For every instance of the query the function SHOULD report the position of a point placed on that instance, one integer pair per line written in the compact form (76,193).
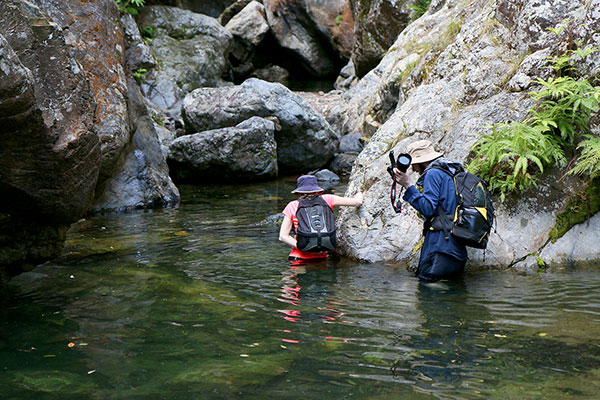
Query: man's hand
(402,178)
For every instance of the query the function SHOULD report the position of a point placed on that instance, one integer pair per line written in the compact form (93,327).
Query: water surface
(199,302)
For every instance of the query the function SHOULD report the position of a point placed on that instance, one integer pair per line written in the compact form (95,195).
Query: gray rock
(326,175)
(250,24)
(191,50)
(351,143)
(377,25)
(138,52)
(532,67)
(305,140)
(579,245)
(232,10)
(143,181)
(295,30)
(212,8)
(342,163)
(50,154)
(272,73)
(347,78)
(246,151)
(165,137)
(450,90)
(107,79)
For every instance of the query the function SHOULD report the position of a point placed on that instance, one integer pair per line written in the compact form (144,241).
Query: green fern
(589,159)
(512,154)
(130,6)
(567,105)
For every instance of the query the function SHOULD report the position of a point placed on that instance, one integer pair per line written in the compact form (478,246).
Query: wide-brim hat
(307,184)
(422,151)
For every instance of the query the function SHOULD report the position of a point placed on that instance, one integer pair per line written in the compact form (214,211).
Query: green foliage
(566,105)
(339,19)
(140,74)
(148,32)
(130,6)
(540,262)
(589,159)
(512,154)
(419,8)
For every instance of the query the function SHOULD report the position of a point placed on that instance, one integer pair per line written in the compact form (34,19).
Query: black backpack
(316,225)
(474,216)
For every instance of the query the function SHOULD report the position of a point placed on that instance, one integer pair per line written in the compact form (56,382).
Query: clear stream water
(199,302)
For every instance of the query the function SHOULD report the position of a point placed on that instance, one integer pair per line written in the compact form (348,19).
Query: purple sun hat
(307,184)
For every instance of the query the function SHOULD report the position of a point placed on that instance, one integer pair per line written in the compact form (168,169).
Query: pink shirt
(290,211)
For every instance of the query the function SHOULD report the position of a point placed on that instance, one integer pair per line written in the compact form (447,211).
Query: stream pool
(199,302)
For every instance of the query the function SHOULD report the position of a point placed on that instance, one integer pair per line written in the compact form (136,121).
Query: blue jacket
(438,188)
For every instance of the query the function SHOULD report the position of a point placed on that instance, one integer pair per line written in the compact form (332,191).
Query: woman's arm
(348,201)
(284,232)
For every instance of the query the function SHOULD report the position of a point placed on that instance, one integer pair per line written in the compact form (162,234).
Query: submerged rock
(305,140)
(244,152)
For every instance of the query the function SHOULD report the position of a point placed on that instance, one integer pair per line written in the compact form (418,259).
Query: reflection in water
(201,302)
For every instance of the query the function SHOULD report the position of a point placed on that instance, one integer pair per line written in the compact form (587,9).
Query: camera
(402,162)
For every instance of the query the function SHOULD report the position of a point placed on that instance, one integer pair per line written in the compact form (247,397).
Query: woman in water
(307,187)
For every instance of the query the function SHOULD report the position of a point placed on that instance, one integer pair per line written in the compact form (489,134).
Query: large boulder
(293,25)
(305,140)
(121,114)
(447,90)
(246,151)
(191,50)
(250,24)
(377,25)
(211,8)
(50,154)
(79,22)
(249,28)
(142,180)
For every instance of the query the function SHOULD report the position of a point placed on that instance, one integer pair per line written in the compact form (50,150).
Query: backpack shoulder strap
(453,176)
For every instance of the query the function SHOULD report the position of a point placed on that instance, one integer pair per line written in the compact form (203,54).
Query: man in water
(442,256)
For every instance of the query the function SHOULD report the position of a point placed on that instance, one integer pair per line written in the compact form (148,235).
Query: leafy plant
(140,74)
(589,159)
(130,6)
(419,8)
(148,32)
(512,154)
(566,104)
(339,19)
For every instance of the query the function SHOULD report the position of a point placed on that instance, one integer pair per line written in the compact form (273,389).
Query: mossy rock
(578,210)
